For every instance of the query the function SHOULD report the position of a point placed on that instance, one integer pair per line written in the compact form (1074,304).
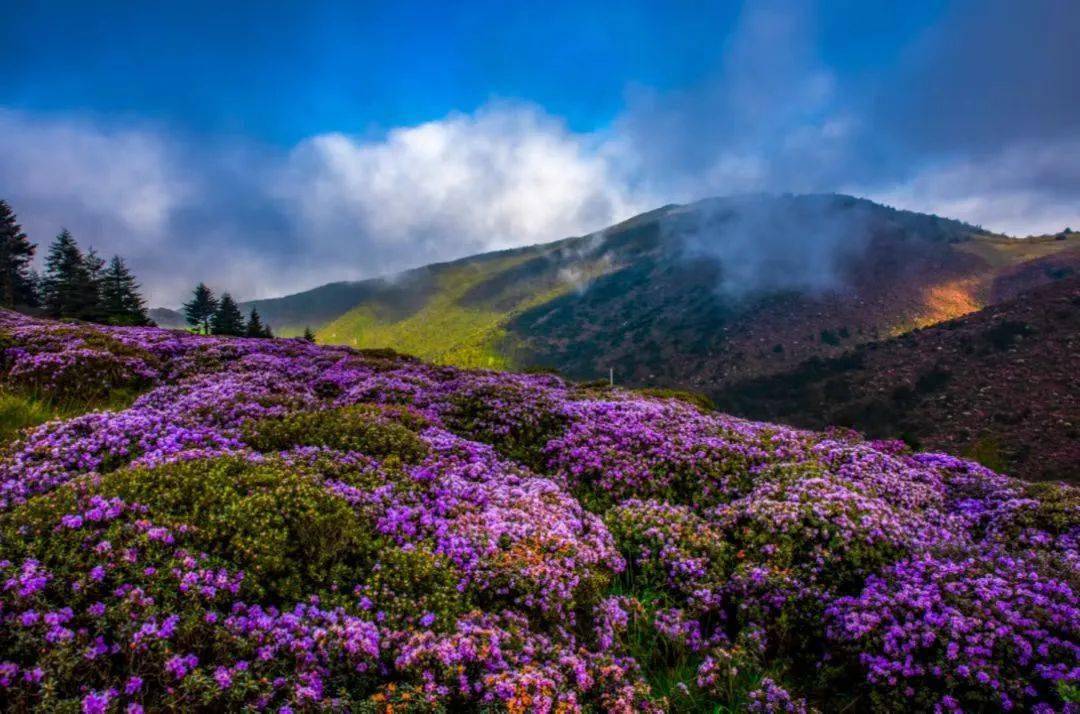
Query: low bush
(1052,508)
(77,364)
(823,531)
(701,401)
(614,450)
(288,533)
(372,430)
(415,587)
(668,548)
(979,631)
(107,609)
(517,420)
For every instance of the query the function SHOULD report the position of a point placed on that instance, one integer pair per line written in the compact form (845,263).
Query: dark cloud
(977,119)
(991,72)
(771,117)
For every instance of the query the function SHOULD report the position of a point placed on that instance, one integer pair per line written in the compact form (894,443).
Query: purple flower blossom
(932,582)
(97,702)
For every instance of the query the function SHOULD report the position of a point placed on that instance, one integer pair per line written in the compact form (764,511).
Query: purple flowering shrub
(102,603)
(518,417)
(669,548)
(278,524)
(414,587)
(273,525)
(628,448)
(771,698)
(975,629)
(1050,508)
(815,530)
(66,363)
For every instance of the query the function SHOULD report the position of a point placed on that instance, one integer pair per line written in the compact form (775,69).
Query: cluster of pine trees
(212,316)
(81,285)
(75,284)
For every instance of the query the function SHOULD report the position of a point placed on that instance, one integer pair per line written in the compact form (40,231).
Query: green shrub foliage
(371,430)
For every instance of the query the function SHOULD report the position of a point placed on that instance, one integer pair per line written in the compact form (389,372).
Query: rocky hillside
(999,385)
(214,524)
(685,296)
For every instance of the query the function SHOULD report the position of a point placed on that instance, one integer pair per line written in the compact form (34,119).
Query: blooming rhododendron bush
(274,525)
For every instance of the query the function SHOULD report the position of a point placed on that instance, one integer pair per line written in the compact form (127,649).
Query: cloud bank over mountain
(985,136)
(262,221)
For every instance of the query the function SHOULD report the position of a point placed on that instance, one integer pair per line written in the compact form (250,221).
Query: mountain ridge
(687,296)
(586,303)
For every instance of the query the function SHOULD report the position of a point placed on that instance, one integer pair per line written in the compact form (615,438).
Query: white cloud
(72,171)
(339,207)
(507,175)
(1023,189)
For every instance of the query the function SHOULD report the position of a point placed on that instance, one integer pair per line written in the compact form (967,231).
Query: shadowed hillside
(999,385)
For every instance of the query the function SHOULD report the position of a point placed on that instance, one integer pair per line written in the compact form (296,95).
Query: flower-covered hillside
(274,525)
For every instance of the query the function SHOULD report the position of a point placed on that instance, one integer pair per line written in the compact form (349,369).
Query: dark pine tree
(120,298)
(228,319)
(36,281)
(255,326)
(68,288)
(201,308)
(95,268)
(17,284)
(309,335)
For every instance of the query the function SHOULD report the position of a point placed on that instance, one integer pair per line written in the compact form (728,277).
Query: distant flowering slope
(280,526)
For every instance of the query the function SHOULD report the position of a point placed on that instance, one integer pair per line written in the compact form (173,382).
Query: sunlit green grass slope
(454,326)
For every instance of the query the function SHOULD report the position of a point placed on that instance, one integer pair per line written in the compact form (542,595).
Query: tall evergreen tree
(95,265)
(68,288)
(309,335)
(95,269)
(255,326)
(16,251)
(201,308)
(36,281)
(120,298)
(228,319)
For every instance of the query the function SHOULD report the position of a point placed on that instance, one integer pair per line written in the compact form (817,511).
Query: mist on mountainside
(809,244)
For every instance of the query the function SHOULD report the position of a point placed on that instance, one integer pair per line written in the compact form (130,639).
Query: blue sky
(273,146)
(280,72)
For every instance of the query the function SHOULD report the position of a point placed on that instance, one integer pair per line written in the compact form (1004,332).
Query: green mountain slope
(680,296)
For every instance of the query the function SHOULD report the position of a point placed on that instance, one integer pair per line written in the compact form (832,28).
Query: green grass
(988,452)
(666,667)
(19,411)
(999,251)
(445,331)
